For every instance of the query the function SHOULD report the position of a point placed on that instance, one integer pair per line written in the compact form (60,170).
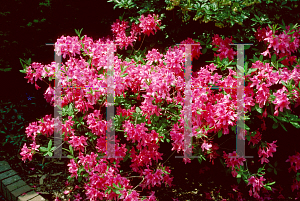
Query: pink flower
(78,142)
(66,192)
(49,95)
(281,99)
(34,146)
(233,161)
(195,48)
(73,168)
(294,159)
(257,184)
(265,53)
(256,138)
(270,149)
(32,130)
(224,47)
(153,56)
(150,23)
(67,45)
(206,146)
(77,197)
(26,153)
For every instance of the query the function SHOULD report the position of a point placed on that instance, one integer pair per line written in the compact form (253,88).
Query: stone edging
(12,186)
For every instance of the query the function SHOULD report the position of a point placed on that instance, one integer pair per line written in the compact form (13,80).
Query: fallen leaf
(35,175)
(42,179)
(56,174)
(60,163)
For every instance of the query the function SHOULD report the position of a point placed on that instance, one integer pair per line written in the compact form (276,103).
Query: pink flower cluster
(270,149)
(257,184)
(146,26)
(195,48)
(78,142)
(153,56)
(44,126)
(283,44)
(28,153)
(295,159)
(121,38)
(156,178)
(66,45)
(223,47)
(269,78)
(255,139)
(150,23)
(38,71)
(146,144)
(234,161)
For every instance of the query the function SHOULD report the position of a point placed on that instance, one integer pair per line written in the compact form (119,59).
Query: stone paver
(4,166)
(16,185)
(5,175)
(37,198)
(27,196)
(16,193)
(13,187)
(7,182)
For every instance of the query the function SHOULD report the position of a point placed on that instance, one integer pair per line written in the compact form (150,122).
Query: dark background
(24,34)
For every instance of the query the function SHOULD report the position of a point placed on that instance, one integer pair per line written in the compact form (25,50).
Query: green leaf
(247,127)
(281,59)
(219,134)
(125,74)
(233,128)
(272,118)
(251,70)
(295,124)
(283,126)
(43,149)
(269,169)
(275,125)
(268,188)
(258,109)
(275,172)
(49,144)
(273,58)
(115,185)
(70,157)
(282,119)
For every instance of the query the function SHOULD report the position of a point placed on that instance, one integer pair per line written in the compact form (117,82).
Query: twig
(139,184)
(168,158)
(141,43)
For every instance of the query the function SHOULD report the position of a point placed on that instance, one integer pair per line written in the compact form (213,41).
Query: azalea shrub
(149,103)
